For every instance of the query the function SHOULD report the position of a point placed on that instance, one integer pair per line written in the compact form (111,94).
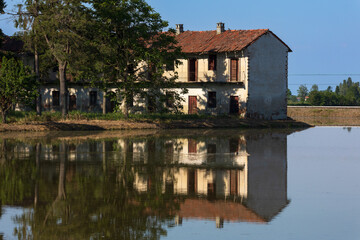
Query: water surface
(177,184)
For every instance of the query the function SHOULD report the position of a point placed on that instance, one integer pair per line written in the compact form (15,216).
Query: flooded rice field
(181,184)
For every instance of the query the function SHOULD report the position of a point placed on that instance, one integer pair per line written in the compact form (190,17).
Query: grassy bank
(76,121)
(326,116)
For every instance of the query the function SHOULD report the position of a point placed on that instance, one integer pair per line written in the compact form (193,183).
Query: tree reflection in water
(135,187)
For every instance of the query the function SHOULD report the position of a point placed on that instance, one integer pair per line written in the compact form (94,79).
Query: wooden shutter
(233,182)
(234,70)
(192,105)
(192,145)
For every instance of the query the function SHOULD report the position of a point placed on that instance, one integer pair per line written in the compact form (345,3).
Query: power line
(324,74)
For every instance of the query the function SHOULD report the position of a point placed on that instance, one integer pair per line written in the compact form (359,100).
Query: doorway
(234,105)
(192,105)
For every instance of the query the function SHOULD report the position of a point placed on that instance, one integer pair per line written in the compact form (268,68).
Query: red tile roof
(228,41)
(229,211)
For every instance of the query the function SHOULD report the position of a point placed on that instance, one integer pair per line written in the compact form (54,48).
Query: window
(211,151)
(211,100)
(93,98)
(56,98)
(170,100)
(212,62)
(151,104)
(170,66)
(192,146)
(192,70)
(234,70)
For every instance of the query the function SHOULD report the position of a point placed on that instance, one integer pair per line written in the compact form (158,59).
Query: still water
(181,184)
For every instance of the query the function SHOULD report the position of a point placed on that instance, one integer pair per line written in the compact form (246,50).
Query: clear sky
(323,34)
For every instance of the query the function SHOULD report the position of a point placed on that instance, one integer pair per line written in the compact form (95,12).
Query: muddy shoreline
(100,125)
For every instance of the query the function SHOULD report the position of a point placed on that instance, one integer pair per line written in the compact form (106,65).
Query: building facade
(241,72)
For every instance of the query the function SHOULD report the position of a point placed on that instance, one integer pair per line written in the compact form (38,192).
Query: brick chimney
(179,28)
(220,28)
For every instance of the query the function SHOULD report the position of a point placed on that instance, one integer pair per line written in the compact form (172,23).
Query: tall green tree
(63,25)
(135,51)
(26,19)
(302,92)
(17,85)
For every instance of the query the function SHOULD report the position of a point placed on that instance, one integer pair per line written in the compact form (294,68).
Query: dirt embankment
(326,116)
(88,125)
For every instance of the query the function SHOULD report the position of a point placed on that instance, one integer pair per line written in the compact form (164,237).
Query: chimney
(220,28)
(179,28)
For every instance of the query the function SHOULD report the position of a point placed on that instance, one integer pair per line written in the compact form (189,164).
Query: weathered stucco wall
(222,72)
(267,78)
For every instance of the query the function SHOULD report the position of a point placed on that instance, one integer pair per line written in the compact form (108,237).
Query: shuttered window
(192,70)
(212,62)
(234,70)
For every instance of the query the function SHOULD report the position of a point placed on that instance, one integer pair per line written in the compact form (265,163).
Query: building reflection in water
(215,175)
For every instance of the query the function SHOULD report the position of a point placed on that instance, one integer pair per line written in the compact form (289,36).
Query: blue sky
(324,35)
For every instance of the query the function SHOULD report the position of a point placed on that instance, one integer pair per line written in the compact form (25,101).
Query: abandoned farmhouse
(225,72)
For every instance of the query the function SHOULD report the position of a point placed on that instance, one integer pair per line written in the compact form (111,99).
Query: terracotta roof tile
(228,41)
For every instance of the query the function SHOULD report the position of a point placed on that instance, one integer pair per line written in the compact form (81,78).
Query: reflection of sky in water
(323,186)
(7,220)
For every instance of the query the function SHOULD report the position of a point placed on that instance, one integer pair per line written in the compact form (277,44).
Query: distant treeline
(346,93)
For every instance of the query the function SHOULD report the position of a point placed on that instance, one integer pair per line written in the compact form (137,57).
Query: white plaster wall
(222,72)
(82,98)
(223,93)
(267,78)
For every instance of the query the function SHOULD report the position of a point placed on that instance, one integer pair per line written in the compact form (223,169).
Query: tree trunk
(38,99)
(63,90)
(37,160)
(125,108)
(3,116)
(62,171)
(104,103)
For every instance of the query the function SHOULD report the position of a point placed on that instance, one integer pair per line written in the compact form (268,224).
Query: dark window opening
(192,70)
(151,107)
(211,188)
(93,98)
(212,62)
(234,70)
(192,181)
(72,102)
(234,145)
(170,100)
(234,105)
(56,98)
(170,66)
(169,187)
(211,99)
(211,151)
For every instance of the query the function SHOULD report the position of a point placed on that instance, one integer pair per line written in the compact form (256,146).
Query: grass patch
(27,117)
